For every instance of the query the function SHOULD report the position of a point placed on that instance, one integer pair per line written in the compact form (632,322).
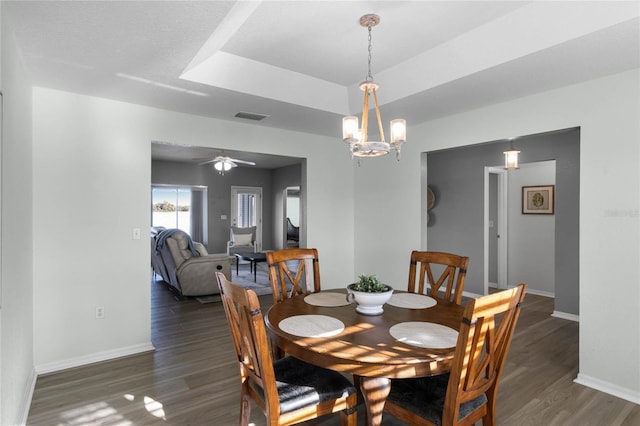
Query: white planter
(368,303)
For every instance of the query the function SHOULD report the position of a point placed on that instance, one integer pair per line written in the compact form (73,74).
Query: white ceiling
(300,62)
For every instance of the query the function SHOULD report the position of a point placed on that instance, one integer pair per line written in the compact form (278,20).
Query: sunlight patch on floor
(155,408)
(91,414)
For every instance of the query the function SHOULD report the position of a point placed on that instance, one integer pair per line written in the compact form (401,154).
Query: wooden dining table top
(365,347)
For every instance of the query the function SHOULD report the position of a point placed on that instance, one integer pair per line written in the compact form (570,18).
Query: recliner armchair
(191,273)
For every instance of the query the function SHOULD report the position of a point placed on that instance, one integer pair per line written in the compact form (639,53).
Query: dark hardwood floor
(192,379)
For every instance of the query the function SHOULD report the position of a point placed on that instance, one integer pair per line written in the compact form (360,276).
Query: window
(246,210)
(181,207)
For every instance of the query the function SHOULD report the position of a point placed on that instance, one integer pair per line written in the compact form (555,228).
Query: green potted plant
(369,284)
(369,293)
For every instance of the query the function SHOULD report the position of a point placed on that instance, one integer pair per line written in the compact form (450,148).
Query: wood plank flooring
(192,378)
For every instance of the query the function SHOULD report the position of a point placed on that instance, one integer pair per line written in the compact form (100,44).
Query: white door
(246,209)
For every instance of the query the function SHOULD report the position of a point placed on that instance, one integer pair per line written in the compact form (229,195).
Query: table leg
(237,265)
(375,391)
(255,271)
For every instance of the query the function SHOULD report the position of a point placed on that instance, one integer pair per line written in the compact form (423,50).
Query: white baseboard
(92,358)
(606,387)
(540,293)
(28,397)
(564,315)
(470,295)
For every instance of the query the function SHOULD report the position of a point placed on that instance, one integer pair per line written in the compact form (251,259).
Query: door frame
(503,237)
(257,191)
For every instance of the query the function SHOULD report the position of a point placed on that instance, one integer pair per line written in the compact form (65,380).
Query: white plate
(311,325)
(425,334)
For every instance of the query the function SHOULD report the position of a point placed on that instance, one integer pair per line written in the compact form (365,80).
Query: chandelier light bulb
(398,130)
(350,128)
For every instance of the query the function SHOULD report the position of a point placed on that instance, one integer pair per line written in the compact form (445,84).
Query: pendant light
(358,137)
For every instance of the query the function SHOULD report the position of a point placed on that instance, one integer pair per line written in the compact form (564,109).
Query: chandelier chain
(369,75)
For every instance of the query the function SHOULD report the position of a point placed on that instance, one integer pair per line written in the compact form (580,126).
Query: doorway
(246,209)
(495,228)
(292,217)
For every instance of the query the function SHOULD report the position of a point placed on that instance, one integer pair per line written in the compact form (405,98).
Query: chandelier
(358,137)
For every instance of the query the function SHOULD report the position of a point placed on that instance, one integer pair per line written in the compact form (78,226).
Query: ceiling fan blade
(207,162)
(250,163)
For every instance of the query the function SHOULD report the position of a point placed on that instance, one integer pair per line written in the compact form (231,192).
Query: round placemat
(425,334)
(311,325)
(411,301)
(327,299)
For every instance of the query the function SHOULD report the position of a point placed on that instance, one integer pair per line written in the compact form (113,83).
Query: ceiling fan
(222,163)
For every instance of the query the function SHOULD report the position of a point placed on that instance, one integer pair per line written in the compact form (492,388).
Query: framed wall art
(538,199)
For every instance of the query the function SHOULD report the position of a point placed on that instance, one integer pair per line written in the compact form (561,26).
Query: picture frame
(538,199)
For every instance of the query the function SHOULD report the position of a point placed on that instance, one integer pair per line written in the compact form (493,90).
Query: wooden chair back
(257,370)
(436,269)
(251,344)
(297,269)
(485,335)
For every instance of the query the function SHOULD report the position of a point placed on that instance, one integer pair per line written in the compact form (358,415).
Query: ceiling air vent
(251,116)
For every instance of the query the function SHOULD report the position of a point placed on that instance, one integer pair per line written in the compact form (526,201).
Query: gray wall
(219,194)
(531,237)
(456,221)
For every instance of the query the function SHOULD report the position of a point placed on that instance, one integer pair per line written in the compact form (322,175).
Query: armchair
(242,239)
(191,272)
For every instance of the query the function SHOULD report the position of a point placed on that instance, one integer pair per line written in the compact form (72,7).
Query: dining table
(414,336)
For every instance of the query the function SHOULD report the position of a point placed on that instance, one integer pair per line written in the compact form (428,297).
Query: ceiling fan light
(222,166)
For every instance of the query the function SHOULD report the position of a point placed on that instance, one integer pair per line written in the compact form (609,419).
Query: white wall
(531,246)
(92,163)
(17,375)
(388,205)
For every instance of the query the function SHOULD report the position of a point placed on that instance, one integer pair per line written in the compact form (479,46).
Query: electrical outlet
(99,312)
(136,233)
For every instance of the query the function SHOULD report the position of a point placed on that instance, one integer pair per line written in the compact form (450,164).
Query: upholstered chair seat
(301,384)
(410,395)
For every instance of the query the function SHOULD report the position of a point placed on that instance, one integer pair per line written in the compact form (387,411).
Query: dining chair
(288,391)
(468,393)
(452,270)
(292,272)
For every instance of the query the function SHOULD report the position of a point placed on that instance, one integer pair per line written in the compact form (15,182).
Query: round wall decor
(431,198)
